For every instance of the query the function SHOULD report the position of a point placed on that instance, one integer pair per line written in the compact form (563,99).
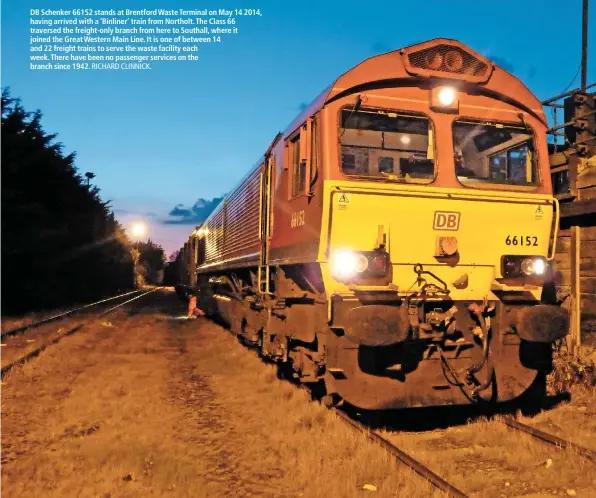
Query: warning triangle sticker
(344,199)
(539,211)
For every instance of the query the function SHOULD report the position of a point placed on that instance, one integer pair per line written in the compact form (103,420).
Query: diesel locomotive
(394,244)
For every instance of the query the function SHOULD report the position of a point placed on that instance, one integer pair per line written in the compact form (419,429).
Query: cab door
(265,215)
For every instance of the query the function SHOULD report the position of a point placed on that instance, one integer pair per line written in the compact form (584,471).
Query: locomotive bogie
(440,342)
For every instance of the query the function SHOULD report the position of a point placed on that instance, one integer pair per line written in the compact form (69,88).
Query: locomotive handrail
(551,254)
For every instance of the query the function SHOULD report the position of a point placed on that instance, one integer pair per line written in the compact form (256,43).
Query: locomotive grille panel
(242,217)
(449,59)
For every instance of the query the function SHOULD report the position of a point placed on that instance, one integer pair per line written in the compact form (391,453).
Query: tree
(152,261)
(172,270)
(60,241)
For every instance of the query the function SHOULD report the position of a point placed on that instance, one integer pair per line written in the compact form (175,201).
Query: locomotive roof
(390,66)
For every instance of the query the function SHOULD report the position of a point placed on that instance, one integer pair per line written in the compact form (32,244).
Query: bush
(571,370)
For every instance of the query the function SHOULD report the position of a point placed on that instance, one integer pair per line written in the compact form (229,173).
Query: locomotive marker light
(444,99)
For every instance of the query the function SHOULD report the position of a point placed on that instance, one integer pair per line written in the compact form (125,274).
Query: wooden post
(575,324)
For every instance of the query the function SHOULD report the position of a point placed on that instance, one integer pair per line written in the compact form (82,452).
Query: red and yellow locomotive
(394,242)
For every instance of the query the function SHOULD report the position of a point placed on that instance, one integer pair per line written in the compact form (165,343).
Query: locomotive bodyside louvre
(231,233)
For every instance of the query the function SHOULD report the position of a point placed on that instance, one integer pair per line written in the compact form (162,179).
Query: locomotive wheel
(329,399)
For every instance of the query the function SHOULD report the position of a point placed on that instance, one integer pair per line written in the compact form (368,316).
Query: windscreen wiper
(523,122)
(357,105)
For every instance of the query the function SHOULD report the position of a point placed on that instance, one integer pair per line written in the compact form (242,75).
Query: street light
(139,229)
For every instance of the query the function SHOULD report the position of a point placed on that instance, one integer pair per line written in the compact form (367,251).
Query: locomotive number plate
(521,240)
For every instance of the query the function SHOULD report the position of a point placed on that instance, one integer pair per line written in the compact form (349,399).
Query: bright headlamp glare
(446,96)
(523,266)
(444,99)
(346,264)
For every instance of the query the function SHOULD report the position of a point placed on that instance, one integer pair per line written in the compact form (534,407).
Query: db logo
(446,220)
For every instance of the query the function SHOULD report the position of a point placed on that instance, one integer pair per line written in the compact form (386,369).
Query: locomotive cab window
(297,167)
(385,145)
(494,153)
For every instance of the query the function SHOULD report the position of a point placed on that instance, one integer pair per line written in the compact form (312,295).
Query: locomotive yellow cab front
(438,287)
(460,287)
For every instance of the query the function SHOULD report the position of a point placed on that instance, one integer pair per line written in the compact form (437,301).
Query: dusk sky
(185,131)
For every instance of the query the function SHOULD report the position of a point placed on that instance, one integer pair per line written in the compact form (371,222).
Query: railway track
(35,352)
(402,456)
(22,329)
(437,481)
(549,438)
(426,472)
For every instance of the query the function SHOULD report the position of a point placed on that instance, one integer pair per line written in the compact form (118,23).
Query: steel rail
(549,438)
(33,325)
(71,331)
(415,465)
(403,457)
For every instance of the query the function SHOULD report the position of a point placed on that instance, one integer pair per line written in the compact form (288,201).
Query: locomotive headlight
(444,99)
(447,96)
(523,266)
(533,266)
(346,263)
(539,266)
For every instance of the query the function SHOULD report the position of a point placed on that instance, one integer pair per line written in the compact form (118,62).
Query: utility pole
(580,122)
(584,45)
